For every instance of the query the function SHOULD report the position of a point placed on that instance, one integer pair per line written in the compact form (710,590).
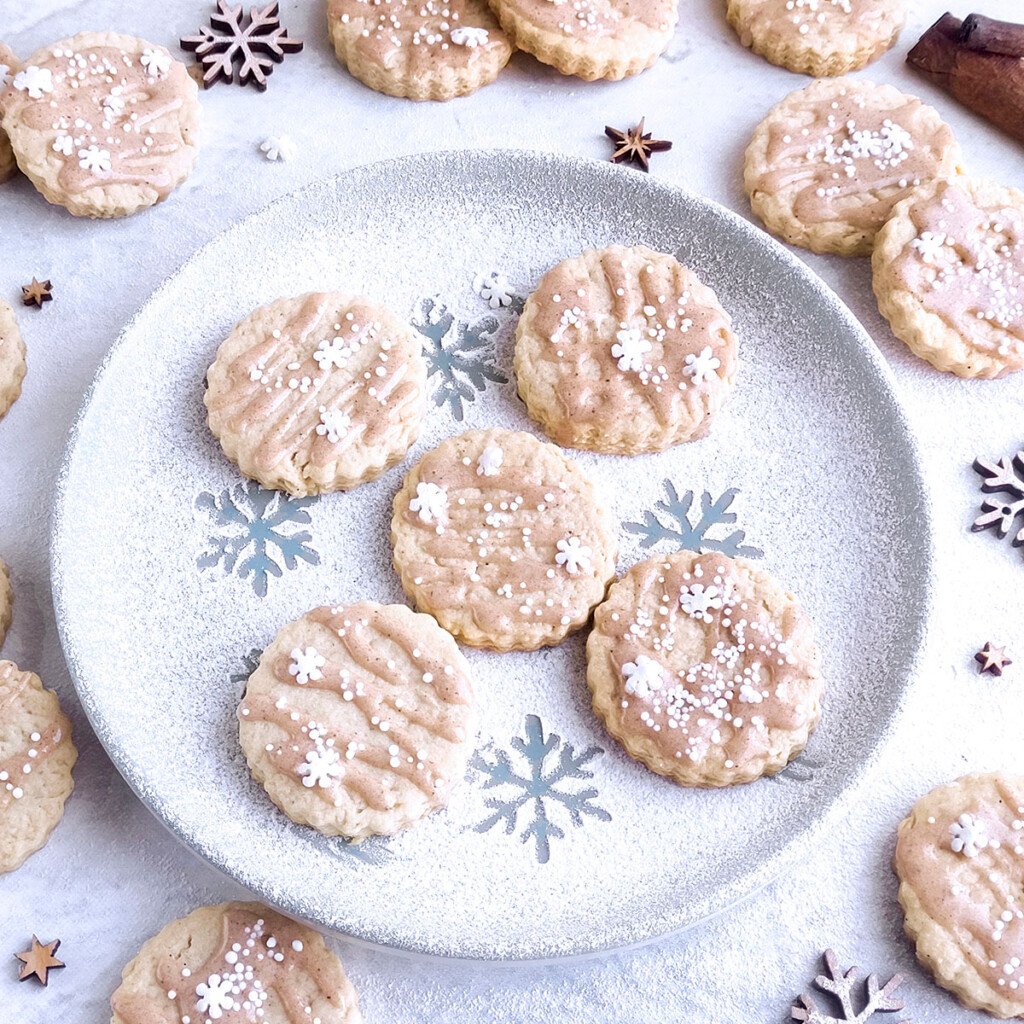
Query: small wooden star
(634,146)
(992,659)
(36,293)
(39,960)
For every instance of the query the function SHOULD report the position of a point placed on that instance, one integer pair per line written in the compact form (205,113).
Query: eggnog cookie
(705,669)
(103,124)
(590,38)
(36,758)
(500,537)
(6,601)
(12,359)
(624,350)
(420,49)
(818,37)
(9,67)
(828,164)
(949,276)
(235,963)
(317,393)
(960,861)
(359,719)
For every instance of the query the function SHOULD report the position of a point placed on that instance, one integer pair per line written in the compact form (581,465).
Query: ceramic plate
(171,572)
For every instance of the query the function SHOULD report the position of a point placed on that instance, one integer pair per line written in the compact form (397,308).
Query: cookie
(419,49)
(6,601)
(235,963)
(818,37)
(960,862)
(103,124)
(828,164)
(948,273)
(590,39)
(624,350)
(9,67)
(359,719)
(705,669)
(501,538)
(12,359)
(317,393)
(36,758)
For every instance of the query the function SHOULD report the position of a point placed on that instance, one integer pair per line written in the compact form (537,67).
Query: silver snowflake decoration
(255,533)
(672,522)
(540,776)
(460,356)
(1005,477)
(842,988)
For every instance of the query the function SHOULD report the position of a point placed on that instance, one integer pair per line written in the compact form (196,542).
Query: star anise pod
(634,146)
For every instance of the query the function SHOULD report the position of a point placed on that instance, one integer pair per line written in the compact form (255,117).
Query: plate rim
(743,886)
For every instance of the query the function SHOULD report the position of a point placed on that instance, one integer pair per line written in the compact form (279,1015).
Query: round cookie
(6,601)
(624,350)
(234,963)
(9,67)
(948,273)
(12,359)
(419,49)
(818,37)
(103,124)
(317,393)
(960,861)
(705,669)
(590,39)
(500,537)
(828,164)
(359,719)
(36,758)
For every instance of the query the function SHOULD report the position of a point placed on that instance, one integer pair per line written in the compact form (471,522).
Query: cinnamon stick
(991,36)
(989,83)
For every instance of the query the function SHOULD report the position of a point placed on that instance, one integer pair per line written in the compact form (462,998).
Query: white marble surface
(111,876)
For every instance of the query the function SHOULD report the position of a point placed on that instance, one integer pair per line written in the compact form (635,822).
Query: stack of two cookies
(360,718)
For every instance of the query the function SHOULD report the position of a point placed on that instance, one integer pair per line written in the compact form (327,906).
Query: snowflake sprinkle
(94,159)
(278,147)
(35,81)
(430,503)
(642,676)
(697,600)
(331,352)
(215,996)
(306,664)
(968,836)
(574,555)
(156,62)
(63,144)
(321,765)
(630,347)
(703,366)
(490,461)
(333,423)
(930,245)
(471,37)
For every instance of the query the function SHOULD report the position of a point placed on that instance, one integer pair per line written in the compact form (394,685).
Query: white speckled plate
(170,572)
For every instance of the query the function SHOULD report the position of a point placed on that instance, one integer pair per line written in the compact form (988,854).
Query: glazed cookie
(9,67)
(591,39)
(359,719)
(705,669)
(500,537)
(420,49)
(818,37)
(828,164)
(12,359)
(317,393)
(6,601)
(36,758)
(960,861)
(624,351)
(235,963)
(949,276)
(103,124)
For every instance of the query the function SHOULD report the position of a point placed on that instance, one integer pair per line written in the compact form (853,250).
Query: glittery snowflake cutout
(1004,477)
(461,356)
(254,533)
(677,527)
(842,988)
(536,790)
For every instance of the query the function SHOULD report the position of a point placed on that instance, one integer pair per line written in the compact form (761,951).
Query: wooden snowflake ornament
(1005,478)
(842,987)
(236,44)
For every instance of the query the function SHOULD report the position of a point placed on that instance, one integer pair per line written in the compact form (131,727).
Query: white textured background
(110,876)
